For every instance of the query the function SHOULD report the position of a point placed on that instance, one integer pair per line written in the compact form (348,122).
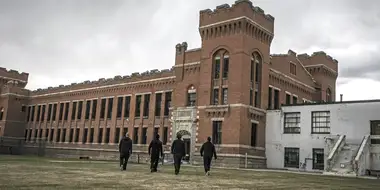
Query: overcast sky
(60,42)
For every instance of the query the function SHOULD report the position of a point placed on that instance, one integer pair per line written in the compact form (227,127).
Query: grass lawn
(21,172)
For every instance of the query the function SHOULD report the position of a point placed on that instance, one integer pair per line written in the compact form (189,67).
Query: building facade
(221,89)
(340,137)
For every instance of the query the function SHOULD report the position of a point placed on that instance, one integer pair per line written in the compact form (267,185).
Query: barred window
(292,122)
(320,122)
(291,157)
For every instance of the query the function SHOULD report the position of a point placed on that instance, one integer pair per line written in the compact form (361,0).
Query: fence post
(246,160)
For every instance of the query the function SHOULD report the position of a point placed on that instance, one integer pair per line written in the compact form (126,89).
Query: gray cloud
(60,42)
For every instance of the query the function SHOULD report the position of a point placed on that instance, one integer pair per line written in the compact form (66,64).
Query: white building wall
(350,119)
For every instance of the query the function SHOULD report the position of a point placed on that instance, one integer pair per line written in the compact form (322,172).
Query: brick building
(221,89)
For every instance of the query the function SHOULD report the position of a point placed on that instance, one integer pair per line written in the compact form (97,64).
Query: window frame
(289,130)
(294,164)
(314,122)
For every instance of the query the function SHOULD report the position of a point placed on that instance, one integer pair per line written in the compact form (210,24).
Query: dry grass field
(20,172)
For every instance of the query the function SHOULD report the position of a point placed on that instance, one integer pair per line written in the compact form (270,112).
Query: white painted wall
(350,119)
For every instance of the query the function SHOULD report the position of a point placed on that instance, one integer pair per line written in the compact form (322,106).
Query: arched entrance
(186,137)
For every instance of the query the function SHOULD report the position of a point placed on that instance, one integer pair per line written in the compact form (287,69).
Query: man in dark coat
(155,150)
(178,151)
(125,150)
(207,151)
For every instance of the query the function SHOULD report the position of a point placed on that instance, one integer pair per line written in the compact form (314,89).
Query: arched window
(254,94)
(328,95)
(191,96)
(1,113)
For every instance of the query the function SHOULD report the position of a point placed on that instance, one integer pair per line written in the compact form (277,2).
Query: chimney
(341,97)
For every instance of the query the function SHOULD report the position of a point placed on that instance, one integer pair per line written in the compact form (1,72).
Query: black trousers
(124,160)
(154,162)
(177,163)
(207,163)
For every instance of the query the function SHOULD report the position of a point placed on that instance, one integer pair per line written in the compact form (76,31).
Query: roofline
(336,102)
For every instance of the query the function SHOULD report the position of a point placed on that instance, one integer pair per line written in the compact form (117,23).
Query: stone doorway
(186,137)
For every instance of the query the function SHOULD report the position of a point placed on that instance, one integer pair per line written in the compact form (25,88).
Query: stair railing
(334,152)
(359,163)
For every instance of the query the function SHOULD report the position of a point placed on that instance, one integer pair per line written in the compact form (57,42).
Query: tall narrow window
(251,97)
(318,159)
(288,99)
(43,112)
(146,105)
(138,106)
(32,117)
(109,108)
(58,137)
(295,99)
(63,139)
(77,131)
(38,113)
(191,96)
(225,96)
(217,132)
(127,106)
(168,101)
(226,61)
(293,68)
(119,106)
(135,135)
(94,107)
(50,107)
(253,134)
(258,62)
(157,110)
(51,136)
(92,132)
(270,98)
(28,115)
(84,136)
(103,108)
(216,72)
(61,105)
(328,95)
(80,107)
(144,135)
(257,99)
(73,110)
(117,135)
(88,107)
(252,69)
(1,113)
(108,132)
(276,99)
(215,96)
(54,111)
(165,136)
(100,135)
(66,116)
(71,135)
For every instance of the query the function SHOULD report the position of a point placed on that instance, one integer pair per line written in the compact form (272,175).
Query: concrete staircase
(343,164)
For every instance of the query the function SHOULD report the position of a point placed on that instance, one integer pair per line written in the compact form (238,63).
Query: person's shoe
(208,173)
(121,168)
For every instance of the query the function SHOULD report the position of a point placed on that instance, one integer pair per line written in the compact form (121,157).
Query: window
(157,110)
(216,68)
(291,159)
(51,136)
(144,135)
(61,105)
(293,69)
(117,135)
(94,108)
(168,101)
(135,135)
(80,106)
(71,135)
(63,139)
(108,131)
(292,122)
(146,105)
(318,159)
(251,97)
(73,110)
(320,122)
(375,130)
(257,99)
(84,136)
(191,96)
(88,107)
(276,99)
(77,131)
(50,107)
(225,96)
(100,135)
(33,110)
(103,108)
(43,112)
(92,133)
(226,61)
(295,99)
(54,111)
(270,98)
(253,134)
(165,136)
(258,62)
(215,96)
(138,106)
(127,106)
(119,107)
(109,108)
(328,95)
(58,135)
(38,113)
(287,99)
(252,69)
(28,114)
(217,132)
(23,108)
(66,111)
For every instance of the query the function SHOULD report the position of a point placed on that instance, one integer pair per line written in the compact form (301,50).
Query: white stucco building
(335,138)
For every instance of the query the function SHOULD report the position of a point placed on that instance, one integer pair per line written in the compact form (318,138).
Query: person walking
(125,150)
(155,150)
(178,151)
(207,151)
